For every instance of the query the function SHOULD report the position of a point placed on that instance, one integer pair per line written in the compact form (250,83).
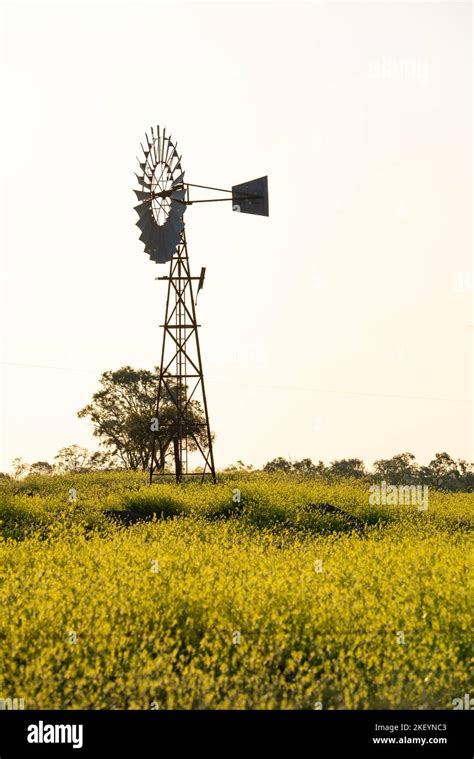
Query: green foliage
(74,458)
(123,409)
(278,465)
(41,467)
(442,473)
(401,468)
(347,468)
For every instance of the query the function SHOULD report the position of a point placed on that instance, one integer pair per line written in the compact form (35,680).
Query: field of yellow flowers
(241,595)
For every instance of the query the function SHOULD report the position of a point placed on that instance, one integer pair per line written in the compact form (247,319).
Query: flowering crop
(239,596)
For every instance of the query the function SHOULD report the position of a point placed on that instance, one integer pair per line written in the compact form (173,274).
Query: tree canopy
(123,412)
(442,473)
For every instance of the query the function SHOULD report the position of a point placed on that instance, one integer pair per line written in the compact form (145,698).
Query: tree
(306,466)
(41,467)
(244,467)
(19,467)
(123,413)
(400,469)
(72,458)
(277,465)
(239,467)
(466,475)
(347,468)
(444,473)
(100,461)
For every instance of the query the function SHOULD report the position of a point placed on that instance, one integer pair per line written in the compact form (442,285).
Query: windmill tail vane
(181,407)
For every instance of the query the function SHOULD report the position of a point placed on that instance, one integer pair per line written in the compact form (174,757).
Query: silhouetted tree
(123,412)
(72,458)
(347,468)
(278,465)
(19,467)
(444,473)
(41,467)
(306,466)
(400,469)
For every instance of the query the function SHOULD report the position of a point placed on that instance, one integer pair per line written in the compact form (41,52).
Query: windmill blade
(170,236)
(141,181)
(145,165)
(168,255)
(169,152)
(157,237)
(158,144)
(145,168)
(176,241)
(146,223)
(175,167)
(171,242)
(179,179)
(163,155)
(146,238)
(152,147)
(153,255)
(142,195)
(163,140)
(149,239)
(178,209)
(159,257)
(158,253)
(143,217)
(149,248)
(175,155)
(154,140)
(175,222)
(163,244)
(155,249)
(155,240)
(142,209)
(146,235)
(178,195)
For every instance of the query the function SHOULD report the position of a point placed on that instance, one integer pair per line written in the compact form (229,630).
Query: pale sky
(340,326)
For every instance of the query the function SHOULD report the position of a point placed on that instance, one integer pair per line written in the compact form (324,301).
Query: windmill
(181,423)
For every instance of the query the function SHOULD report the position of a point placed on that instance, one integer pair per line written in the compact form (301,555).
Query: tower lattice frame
(181,381)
